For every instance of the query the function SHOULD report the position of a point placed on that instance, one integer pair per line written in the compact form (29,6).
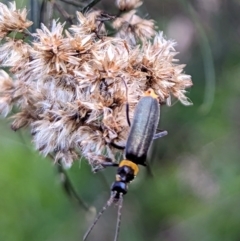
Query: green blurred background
(195,192)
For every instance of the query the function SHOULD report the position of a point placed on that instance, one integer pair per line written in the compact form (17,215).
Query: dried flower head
(127,5)
(12,19)
(13,52)
(6,88)
(133,28)
(71,86)
(87,24)
(52,52)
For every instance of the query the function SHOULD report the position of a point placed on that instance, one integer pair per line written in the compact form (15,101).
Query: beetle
(141,135)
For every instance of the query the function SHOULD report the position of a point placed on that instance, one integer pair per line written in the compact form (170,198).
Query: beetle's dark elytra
(143,129)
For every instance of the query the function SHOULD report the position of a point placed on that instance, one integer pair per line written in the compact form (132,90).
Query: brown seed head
(12,19)
(127,5)
(71,86)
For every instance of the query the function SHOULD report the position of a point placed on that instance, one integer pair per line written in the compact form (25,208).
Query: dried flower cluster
(69,85)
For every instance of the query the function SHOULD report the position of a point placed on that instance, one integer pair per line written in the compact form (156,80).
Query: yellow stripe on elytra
(131,164)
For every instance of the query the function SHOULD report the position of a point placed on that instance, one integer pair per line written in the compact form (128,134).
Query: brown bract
(71,87)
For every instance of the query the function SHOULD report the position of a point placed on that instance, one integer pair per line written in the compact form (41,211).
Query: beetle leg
(117,146)
(102,163)
(160,134)
(127,114)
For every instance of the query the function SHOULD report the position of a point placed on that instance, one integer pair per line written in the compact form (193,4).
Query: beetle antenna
(127,105)
(108,204)
(120,204)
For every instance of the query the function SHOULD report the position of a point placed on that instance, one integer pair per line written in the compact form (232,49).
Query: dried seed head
(52,52)
(13,53)
(70,88)
(134,28)
(127,5)
(6,89)
(12,19)
(87,24)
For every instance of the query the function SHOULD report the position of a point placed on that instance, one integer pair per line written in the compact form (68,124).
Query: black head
(119,187)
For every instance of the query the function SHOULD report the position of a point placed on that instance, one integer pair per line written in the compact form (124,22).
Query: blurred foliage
(195,192)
